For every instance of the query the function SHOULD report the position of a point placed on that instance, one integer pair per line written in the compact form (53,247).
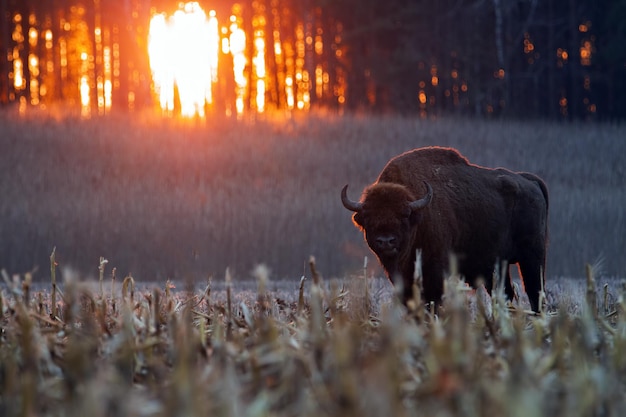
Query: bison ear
(358,221)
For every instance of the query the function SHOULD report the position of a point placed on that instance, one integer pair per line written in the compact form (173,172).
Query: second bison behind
(433,200)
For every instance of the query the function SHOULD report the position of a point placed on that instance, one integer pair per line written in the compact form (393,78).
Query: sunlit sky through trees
(524,59)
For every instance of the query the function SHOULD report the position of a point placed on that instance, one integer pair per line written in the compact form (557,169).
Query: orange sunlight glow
(18,66)
(237,47)
(83,85)
(183,51)
(259,70)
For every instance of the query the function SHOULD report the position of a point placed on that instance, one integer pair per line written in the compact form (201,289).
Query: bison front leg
(432,284)
(429,286)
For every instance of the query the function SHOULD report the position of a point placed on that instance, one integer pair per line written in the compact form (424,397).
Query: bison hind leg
(532,277)
(509,292)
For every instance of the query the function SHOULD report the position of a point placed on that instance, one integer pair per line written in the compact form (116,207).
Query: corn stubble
(333,350)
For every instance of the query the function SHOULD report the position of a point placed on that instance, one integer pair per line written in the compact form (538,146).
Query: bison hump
(508,185)
(418,164)
(435,155)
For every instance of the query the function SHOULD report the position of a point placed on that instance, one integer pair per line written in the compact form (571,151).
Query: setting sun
(183,50)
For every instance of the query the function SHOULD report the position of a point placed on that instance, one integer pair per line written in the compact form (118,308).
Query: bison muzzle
(433,200)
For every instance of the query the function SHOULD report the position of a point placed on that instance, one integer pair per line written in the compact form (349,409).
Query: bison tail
(544,190)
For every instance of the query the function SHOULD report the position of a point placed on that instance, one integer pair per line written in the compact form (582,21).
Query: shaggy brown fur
(482,216)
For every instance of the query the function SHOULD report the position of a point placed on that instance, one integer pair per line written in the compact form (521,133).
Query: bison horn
(349,204)
(422,202)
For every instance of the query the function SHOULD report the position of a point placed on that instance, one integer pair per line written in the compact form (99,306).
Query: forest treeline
(525,59)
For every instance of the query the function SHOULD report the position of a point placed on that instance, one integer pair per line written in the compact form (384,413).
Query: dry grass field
(171,204)
(325,348)
(185,200)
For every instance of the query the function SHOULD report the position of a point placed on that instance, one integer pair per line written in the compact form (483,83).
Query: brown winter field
(168,331)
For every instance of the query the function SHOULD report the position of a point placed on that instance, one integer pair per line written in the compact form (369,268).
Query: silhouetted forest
(526,59)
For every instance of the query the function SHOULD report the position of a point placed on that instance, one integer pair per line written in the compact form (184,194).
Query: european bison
(434,200)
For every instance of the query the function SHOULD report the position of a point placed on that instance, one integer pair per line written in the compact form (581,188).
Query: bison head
(386,214)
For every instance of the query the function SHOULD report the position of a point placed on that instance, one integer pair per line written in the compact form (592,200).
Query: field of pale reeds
(162,198)
(322,349)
